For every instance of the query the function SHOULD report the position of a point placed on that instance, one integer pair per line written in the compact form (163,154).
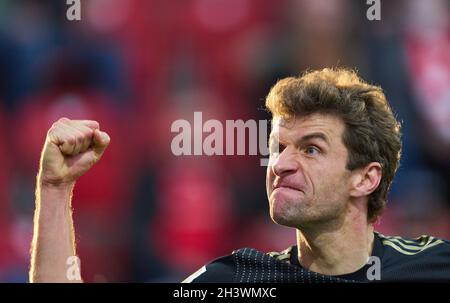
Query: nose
(284,163)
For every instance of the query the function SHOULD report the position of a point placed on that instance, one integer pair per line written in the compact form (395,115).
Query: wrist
(46,184)
(50,193)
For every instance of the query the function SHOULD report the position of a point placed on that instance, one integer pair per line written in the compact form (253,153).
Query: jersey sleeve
(221,270)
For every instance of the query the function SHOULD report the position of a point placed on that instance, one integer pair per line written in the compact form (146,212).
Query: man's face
(307,180)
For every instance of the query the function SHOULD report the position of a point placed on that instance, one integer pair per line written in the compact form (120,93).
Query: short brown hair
(371,131)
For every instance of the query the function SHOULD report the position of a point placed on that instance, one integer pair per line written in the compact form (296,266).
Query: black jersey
(422,259)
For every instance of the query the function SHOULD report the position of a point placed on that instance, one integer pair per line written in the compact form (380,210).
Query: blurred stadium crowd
(135,66)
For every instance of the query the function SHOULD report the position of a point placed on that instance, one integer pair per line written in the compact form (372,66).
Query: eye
(312,150)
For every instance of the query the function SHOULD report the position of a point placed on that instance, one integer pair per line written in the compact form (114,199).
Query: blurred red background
(135,66)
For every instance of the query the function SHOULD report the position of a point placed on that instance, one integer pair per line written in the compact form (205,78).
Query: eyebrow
(315,135)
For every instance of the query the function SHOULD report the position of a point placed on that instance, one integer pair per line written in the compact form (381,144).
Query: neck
(336,249)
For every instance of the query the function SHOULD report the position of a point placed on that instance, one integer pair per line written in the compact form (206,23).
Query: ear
(366,180)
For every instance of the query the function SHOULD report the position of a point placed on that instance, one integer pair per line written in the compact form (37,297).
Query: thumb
(101,141)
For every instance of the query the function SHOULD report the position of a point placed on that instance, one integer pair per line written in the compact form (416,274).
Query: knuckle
(71,140)
(55,126)
(63,120)
(80,139)
(87,133)
(51,130)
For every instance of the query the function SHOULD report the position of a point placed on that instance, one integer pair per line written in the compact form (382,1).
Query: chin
(280,220)
(283,213)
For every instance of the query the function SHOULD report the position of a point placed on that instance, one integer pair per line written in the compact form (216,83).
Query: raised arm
(70,150)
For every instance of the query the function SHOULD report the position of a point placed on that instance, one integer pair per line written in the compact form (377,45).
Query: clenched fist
(70,150)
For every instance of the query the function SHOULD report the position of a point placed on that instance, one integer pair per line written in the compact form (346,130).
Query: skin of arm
(71,148)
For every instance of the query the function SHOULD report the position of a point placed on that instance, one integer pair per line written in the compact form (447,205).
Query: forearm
(53,237)
(70,149)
